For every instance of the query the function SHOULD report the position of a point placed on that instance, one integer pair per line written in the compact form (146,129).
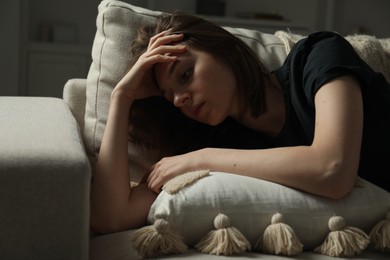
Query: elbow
(338,192)
(337,180)
(99,226)
(100,222)
(104,226)
(96,227)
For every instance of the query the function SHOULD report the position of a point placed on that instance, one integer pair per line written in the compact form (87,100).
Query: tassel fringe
(157,240)
(279,238)
(343,241)
(225,240)
(380,234)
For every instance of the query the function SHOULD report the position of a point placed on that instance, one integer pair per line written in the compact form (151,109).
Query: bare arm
(327,168)
(114,204)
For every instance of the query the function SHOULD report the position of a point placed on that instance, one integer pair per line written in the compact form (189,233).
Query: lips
(193,111)
(197,109)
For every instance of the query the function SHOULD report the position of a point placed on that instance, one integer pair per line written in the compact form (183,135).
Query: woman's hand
(139,82)
(170,167)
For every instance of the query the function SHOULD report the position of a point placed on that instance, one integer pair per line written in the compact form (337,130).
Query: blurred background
(46,42)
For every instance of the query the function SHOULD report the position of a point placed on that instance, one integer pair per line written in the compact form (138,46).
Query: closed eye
(185,77)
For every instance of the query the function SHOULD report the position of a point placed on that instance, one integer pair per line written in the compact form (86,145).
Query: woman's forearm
(302,167)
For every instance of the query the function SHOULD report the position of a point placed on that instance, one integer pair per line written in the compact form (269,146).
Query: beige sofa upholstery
(45,170)
(44,181)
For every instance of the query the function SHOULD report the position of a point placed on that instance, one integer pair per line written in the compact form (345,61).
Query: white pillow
(117,25)
(250,204)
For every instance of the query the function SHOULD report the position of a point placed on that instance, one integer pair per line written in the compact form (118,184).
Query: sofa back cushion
(117,25)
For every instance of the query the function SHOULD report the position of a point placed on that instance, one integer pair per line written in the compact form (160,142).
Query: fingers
(162,48)
(164,53)
(164,38)
(164,43)
(160,175)
(166,169)
(154,181)
(154,38)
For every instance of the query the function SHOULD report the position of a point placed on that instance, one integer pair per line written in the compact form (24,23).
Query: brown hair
(250,73)
(167,127)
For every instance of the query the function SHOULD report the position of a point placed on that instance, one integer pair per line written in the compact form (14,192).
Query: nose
(181,99)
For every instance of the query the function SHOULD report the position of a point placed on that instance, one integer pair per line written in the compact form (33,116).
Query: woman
(323,116)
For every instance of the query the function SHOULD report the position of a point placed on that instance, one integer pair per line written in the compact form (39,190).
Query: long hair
(251,76)
(250,73)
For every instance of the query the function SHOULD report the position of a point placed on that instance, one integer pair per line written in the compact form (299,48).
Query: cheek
(219,91)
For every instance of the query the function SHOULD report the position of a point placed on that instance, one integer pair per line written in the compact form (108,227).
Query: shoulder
(325,35)
(320,50)
(324,42)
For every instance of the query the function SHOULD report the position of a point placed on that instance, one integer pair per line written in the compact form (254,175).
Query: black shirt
(312,62)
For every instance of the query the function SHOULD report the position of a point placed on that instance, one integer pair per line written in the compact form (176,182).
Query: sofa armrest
(74,95)
(44,181)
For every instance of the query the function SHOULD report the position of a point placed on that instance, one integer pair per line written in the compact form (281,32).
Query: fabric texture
(74,95)
(181,181)
(117,25)
(44,181)
(116,246)
(250,204)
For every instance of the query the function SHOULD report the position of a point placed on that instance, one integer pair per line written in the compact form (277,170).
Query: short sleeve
(328,55)
(312,62)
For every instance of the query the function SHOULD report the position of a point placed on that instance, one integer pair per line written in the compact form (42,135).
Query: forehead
(164,70)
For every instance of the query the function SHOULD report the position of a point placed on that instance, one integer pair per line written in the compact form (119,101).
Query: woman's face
(204,88)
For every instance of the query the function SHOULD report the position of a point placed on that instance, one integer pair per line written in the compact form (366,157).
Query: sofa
(48,148)
(45,180)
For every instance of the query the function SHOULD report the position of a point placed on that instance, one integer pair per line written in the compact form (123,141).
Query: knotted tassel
(157,240)
(343,241)
(380,234)
(225,240)
(279,238)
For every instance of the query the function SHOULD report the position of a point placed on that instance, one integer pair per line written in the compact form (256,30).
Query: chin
(212,124)
(210,120)
(215,121)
